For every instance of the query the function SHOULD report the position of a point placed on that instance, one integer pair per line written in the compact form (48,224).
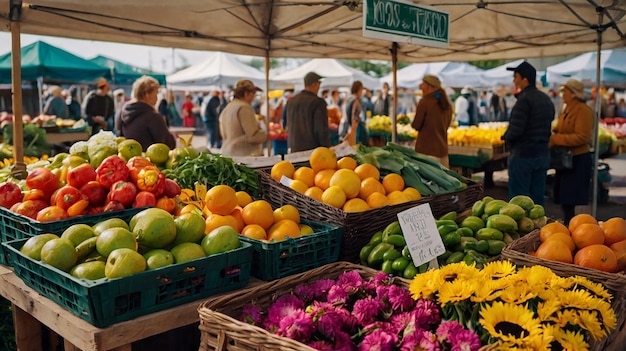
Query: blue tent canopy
(583,68)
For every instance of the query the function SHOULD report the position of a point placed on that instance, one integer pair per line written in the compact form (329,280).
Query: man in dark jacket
(211,115)
(100,108)
(307,117)
(528,135)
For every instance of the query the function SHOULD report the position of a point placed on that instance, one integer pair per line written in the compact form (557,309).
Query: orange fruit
(287,212)
(588,234)
(393,182)
(554,250)
(305,175)
(599,257)
(347,180)
(282,229)
(238,216)
(334,196)
(323,158)
(186,209)
(186,194)
(282,168)
(367,170)
(346,162)
(254,231)
(564,237)
(614,230)
(370,185)
(221,199)
(376,200)
(314,192)
(397,197)
(298,186)
(580,219)
(215,221)
(412,193)
(620,252)
(551,228)
(259,212)
(355,205)
(322,178)
(243,198)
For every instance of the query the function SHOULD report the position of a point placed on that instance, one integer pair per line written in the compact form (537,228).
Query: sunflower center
(509,328)
(556,346)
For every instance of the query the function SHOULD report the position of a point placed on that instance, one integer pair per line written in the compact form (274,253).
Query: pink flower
(399,298)
(327,318)
(382,278)
(315,290)
(387,327)
(298,326)
(251,314)
(465,340)
(337,295)
(282,307)
(350,281)
(400,321)
(365,310)
(322,346)
(427,313)
(343,342)
(378,340)
(447,330)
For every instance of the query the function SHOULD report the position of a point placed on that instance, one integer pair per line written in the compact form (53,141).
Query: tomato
(51,213)
(94,210)
(67,196)
(44,179)
(10,194)
(81,175)
(136,164)
(113,206)
(34,194)
(30,208)
(172,189)
(123,192)
(95,193)
(111,170)
(144,198)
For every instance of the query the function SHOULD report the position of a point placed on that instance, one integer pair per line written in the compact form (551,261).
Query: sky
(158,59)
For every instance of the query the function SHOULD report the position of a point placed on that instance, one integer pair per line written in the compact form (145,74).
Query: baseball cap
(311,78)
(247,85)
(525,70)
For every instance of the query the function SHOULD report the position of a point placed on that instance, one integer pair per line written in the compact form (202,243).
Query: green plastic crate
(104,302)
(274,260)
(15,226)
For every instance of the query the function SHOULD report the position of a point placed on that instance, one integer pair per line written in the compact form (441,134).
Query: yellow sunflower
(425,285)
(517,294)
(578,282)
(498,269)
(547,309)
(538,277)
(459,271)
(565,339)
(590,321)
(508,322)
(455,291)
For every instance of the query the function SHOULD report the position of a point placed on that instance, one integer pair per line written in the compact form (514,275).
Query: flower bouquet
(520,309)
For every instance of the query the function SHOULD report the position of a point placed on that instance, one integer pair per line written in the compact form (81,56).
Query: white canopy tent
(583,68)
(500,75)
(452,74)
(219,70)
(335,73)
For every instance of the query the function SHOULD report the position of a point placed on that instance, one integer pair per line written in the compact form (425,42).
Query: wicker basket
(517,252)
(221,332)
(360,226)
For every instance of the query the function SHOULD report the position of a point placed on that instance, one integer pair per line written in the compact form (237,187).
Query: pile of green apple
(112,248)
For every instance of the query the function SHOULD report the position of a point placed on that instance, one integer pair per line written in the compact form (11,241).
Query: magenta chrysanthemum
(465,340)
(322,345)
(399,298)
(316,290)
(298,326)
(350,281)
(365,310)
(337,295)
(400,321)
(343,342)
(378,340)
(251,314)
(327,318)
(382,278)
(427,314)
(411,340)
(446,330)
(284,306)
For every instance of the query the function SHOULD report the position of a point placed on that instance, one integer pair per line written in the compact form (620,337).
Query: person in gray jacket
(307,117)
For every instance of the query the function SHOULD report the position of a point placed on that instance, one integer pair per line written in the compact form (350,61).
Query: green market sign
(404,22)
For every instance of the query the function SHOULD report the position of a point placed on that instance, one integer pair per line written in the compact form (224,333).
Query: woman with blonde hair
(139,119)
(56,105)
(241,133)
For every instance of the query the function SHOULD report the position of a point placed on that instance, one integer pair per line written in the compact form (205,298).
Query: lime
(32,247)
(158,153)
(115,238)
(189,228)
(187,252)
(124,262)
(158,258)
(129,148)
(59,253)
(109,223)
(78,233)
(220,239)
(91,270)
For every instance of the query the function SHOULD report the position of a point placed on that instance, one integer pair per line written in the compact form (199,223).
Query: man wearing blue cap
(528,135)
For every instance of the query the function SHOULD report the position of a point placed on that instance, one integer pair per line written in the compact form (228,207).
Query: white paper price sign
(421,235)
(286,181)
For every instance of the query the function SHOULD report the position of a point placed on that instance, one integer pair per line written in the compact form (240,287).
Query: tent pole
(596,125)
(267,100)
(40,91)
(394,68)
(19,170)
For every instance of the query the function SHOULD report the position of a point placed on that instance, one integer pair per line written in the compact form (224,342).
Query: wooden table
(57,138)
(30,309)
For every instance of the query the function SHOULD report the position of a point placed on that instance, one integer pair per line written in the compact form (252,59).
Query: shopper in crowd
(307,117)
(211,116)
(528,135)
(189,119)
(176,120)
(461,108)
(163,108)
(433,115)
(140,120)
(56,106)
(497,107)
(574,131)
(384,102)
(620,111)
(241,133)
(119,99)
(100,108)
(353,126)
(73,106)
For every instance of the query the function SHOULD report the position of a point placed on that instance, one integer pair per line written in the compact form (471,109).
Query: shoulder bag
(561,158)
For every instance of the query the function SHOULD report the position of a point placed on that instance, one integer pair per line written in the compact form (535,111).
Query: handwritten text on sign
(421,235)
(401,21)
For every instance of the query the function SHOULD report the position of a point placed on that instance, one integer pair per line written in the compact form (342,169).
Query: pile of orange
(585,242)
(222,205)
(344,184)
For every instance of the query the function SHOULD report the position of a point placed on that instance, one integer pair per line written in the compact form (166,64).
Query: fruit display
(114,249)
(585,242)
(517,217)
(381,126)
(486,134)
